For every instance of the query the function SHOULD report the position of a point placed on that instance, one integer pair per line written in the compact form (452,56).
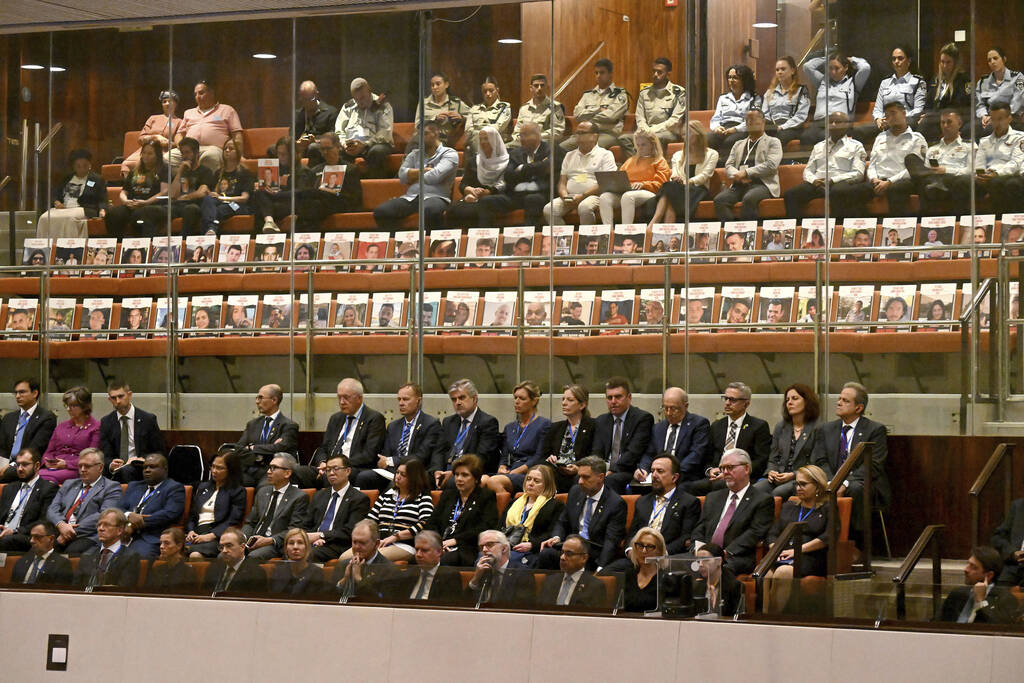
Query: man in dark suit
(368,574)
(428,579)
(31,426)
(493,580)
(468,430)
(593,511)
(43,566)
(980,600)
(335,511)
(110,563)
(124,456)
(232,570)
(737,517)
(837,439)
(266,435)
(413,436)
(1008,539)
(355,431)
(667,508)
(23,503)
(76,508)
(622,435)
(152,505)
(685,435)
(573,586)
(278,507)
(528,174)
(738,429)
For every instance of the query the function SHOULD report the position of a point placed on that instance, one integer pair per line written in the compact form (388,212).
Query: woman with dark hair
(160,128)
(1002,84)
(492,111)
(402,511)
(793,440)
(729,122)
(907,88)
(837,90)
(949,89)
(37,257)
(81,195)
(722,588)
(169,571)
(71,437)
(570,439)
(216,505)
(522,442)
(463,512)
(143,208)
(786,102)
(446,109)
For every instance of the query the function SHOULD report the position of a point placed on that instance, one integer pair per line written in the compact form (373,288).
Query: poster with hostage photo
(136,313)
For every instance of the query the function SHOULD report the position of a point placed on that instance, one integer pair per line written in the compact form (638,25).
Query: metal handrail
(969,313)
(1002,451)
(930,538)
(861,452)
(794,531)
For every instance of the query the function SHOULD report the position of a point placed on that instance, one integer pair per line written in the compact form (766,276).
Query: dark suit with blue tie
(161,509)
(422,439)
(33,510)
(337,534)
(480,438)
(365,430)
(56,570)
(35,434)
(259,443)
(604,533)
(691,448)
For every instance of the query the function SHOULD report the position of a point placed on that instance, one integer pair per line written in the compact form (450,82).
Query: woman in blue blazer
(216,505)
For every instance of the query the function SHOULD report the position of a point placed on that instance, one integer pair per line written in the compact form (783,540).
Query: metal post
(666,338)
(310,402)
(520,296)
(424,43)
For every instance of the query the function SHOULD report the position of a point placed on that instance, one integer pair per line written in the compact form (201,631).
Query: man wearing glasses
(233,570)
(278,507)
(269,433)
(737,429)
(574,586)
(335,511)
(76,508)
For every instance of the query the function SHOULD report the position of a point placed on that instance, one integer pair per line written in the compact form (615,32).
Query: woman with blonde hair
(786,102)
(647,171)
(692,166)
(297,575)
(529,520)
(640,583)
(523,440)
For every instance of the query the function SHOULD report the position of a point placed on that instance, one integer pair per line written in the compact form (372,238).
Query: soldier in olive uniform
(548,114)
(365,127)
(448,110)
(491,112)
(605,106)
(659,108)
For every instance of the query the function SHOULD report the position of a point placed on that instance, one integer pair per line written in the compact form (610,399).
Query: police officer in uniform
(846,162)
(846,78)
(605,106)
(950,89)
(1001,155)
(902,86)
(659,108)
(448,110)
(944,174)
(365,127)
(1001,85)
(548,114)
(491,112)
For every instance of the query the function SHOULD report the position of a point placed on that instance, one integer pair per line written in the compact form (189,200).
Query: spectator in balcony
(729,122)
(522,441)
(169,572)
(402,511)
(463,512)
(443,108)
(603,107)
(942,177)
(1002,85)
(216,505)
(191,183)
(623,434)
(647,171)
(641,581)
(356,431)
(71,437)
(846,160)
(440,164)
(786,102)
(491,112)
(846,77)
(753,168)
(528,174)
(152,505)
(210,123)
(570,439)
(792,440)
(541,111)
(577,187)
(1001,155)
(660,108)
(313,118)
(319,197)
(81,195)
(483,185)
(365,127)
(142,211)
(529,520)
(271,204)
(230,194)
(159,127)
(908,89)
(949,89)
(297,575)
(467,430)
(980,600)
(111,562)
(695,170)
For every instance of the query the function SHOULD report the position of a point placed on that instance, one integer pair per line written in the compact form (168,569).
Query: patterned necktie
(659,513)
(844,444)
(718,537)
(265,434)
(403,445)
(421,591)
(730,441)
(78,501)
(670,444)
(33,574)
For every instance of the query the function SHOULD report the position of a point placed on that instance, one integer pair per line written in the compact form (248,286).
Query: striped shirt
(411,515)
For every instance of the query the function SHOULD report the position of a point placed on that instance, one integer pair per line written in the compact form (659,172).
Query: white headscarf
(489,169)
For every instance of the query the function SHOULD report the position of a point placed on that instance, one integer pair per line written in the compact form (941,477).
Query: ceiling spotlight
(510,41)
(33,67)
(766,24)
(57,69)
(264,55)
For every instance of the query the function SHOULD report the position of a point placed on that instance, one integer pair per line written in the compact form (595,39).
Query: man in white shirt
(887,171)
(1001,155)
(428,580)
(947,173)
(577,186)
(846,161)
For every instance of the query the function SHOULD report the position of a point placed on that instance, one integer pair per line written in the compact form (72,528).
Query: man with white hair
(356,431)
(493,580)
(468,430)
(365,126)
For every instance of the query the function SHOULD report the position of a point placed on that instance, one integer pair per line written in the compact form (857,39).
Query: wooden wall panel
(729,28)
(996,24)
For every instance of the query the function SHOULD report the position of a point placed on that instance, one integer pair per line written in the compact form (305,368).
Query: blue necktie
(585,531)
(403,445)
(266,430)
(329,517)
(33,573)
(844,447)
(19,434)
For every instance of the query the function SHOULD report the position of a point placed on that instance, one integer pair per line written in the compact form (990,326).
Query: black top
(637,599)
(814,563)
(193,178)
(349,196)
(309,581)
(164,577)
(321,122)
(234,183)
(139,185)
(91,195)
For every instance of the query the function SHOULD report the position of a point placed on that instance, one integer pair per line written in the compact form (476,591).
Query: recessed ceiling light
(57,69)
(509,41)
(33,67)
(264,55)
(765,24)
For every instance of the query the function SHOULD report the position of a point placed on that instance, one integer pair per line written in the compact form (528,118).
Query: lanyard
(522,432)
(399,502)
(572,434)
(800,516)
(526,513)
(23,495)
(463,432)
(457,510)
(660,511)
(142,503)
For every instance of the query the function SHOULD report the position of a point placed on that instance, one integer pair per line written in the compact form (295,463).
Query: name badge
(233,205)
(90,183)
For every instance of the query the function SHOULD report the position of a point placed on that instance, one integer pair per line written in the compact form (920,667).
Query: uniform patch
(1019,84)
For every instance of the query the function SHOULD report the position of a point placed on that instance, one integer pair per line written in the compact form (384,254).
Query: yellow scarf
(515,513)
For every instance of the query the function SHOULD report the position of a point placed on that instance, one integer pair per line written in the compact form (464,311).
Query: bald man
(356,431)
(685,435)
(269,433)
(312,119)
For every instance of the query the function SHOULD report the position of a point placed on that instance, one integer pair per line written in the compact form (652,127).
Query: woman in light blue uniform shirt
(728,124)
(1001,85)
(786,102)
(846,78)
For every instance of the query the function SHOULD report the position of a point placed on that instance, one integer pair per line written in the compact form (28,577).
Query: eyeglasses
(87,466)
(729,468)
(733,399)
(646,547)
(573,553)
(335,469)
(487,545)
(271,468)
(801,484)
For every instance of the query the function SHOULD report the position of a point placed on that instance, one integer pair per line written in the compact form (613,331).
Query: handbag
(515,534)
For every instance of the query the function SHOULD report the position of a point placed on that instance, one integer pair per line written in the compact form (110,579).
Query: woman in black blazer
(792,440)
(296,575)
(207,522)
(463,512)
(570,439)
(530,518)
(81,195)
(169,572)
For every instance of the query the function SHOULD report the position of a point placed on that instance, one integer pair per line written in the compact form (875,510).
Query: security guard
(1001,155)
(448,110)
(1001,85)
(491,112)
(728,123)
(902,86)
(605,106)
(950,89)
(548,114)
(945,172)
(659,108)
(844,87)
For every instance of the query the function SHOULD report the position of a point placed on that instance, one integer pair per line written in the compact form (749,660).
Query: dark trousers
(214,212)
(797,198)
(16,542)
(723,144)
(143,221)
(533,204)
(675,192)
(898,196)
(313,206)
(78,546)
(1004,193)
(190,214)
(376,160)
(750,194)
(482,213)
(276,205)
(389,215)
(940,193)
(812,134)
(786,135)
